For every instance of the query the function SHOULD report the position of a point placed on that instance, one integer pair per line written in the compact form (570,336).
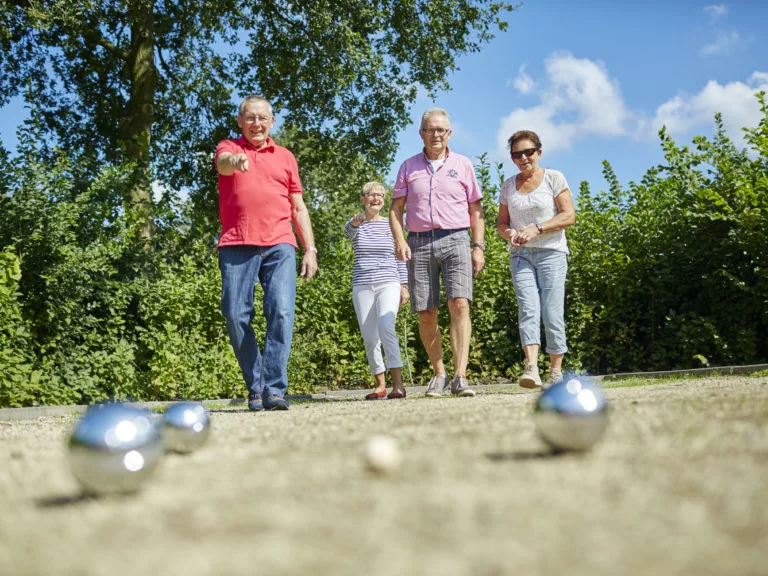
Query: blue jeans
(275,268)
(538,275)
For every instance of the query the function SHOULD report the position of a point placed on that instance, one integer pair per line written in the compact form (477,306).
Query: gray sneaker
(530,378)
(460,387)
(553,377)
(437,386)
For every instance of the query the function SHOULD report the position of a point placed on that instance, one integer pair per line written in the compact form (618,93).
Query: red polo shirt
(255,206)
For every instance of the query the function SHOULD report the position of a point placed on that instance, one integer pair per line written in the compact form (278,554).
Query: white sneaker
(530,378)
(555,375)
(460,387)
(437,386)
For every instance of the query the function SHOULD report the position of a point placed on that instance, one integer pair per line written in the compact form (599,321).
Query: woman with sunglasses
(379,288)
(535,208)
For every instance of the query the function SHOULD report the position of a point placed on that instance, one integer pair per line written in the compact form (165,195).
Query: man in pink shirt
(260,196)
(439,193)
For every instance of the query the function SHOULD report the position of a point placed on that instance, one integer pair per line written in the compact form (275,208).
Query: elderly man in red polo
(260,196)
(439,193)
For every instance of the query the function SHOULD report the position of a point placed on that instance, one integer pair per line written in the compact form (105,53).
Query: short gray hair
(435,112)
(253,98)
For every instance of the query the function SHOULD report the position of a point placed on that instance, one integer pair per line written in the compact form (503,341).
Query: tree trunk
(141,109)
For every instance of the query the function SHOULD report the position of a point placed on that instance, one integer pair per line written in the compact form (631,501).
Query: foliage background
(666,273)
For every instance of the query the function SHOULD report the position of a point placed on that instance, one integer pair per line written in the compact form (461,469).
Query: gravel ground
(677,486)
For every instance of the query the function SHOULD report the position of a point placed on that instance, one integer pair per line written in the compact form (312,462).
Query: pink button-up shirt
(440,199)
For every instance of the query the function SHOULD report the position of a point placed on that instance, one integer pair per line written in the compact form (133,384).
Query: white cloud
(580,100)
(716,10)
(735,101)
(725,42)
(758,79)
(523,83)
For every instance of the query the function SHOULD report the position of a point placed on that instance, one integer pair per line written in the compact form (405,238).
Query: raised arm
(228,163)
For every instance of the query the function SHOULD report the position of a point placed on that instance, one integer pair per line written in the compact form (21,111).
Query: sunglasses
(528,153)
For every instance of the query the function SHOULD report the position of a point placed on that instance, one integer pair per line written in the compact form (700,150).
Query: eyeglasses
(436,131)
(257,119)
(528,153)
(374,195)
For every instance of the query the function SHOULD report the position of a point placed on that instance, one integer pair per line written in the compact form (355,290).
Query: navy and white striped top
(374,250)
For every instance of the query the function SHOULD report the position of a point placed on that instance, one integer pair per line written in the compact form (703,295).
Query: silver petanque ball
(114,449)
(572,414)
(187,426)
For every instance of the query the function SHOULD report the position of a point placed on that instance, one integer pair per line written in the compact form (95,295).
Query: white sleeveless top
(536,206)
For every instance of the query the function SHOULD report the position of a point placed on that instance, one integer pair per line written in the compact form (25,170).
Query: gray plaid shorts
(433,253)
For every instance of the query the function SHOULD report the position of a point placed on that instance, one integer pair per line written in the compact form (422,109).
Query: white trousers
(376,306)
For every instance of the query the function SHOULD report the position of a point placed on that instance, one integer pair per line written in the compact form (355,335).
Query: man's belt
(436,233)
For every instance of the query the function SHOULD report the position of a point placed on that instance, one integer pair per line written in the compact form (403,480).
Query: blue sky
(596,79)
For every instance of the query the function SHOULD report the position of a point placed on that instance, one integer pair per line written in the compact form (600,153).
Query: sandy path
(679,485)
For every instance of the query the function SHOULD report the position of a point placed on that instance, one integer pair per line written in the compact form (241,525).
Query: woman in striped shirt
(379,288)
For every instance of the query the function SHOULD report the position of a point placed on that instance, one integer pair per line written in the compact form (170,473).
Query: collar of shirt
(444,158)
(268,147)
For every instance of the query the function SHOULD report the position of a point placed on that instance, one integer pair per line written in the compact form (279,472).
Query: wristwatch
(480,245)
(539,228)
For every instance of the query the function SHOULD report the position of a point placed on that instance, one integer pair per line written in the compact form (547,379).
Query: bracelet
(539,228)
(310,249)
(480,245)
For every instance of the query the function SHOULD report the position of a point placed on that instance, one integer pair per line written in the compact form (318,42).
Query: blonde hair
(373,186)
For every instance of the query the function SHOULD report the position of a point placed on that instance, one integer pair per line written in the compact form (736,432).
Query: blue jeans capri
(538,275)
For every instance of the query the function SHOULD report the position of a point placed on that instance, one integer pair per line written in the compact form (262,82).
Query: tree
(151,82)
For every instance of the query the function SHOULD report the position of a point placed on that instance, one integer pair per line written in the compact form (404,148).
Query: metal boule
(186,427)
(114,449)
(572,414)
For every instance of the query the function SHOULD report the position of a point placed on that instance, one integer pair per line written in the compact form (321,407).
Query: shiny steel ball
(572,414)
(114,449)
(187,426)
